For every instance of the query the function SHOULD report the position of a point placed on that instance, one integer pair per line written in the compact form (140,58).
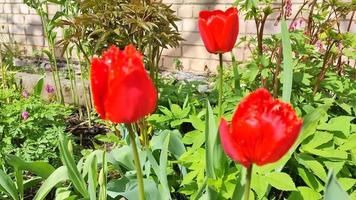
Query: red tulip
(262,130)
(122,91)
(219,29)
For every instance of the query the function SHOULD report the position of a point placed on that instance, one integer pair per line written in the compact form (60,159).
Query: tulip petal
(131,97)
(216,24)
(206,35)
(230,30)
(230,144)
(99,75)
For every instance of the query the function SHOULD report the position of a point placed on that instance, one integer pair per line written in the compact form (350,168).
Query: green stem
(220,85)
(248,183)
(141,190)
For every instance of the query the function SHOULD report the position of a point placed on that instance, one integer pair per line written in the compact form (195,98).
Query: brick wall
(21,24)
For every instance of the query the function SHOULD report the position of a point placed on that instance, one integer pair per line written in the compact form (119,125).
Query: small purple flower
(25,115)
(49,89)
(25,94)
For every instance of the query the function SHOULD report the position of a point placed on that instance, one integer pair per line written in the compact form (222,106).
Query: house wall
(20,23)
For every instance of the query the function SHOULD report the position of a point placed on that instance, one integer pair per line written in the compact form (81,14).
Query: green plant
(49,28)
(35,136)
(150,27)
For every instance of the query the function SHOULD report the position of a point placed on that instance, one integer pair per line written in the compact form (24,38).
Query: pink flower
(49,89)
(25,94)
(288,8)
(296,24)
(25,115)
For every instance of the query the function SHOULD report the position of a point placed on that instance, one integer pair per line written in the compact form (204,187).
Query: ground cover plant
(279,125)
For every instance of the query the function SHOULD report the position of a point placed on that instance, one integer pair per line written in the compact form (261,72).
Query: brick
(24,9)
(191,51)
(3,18)
(35,41)
(230,2)
(190,25)
(52,9)
(7,8)
(19,39)
(185,11)
(344,25)
(198,8)
(17,29)
(222,7)
(199,1)
(4,28)
(172,52)
(172,1)
(33,20)
(34,30)
(32,11)
(192,38)
(17,19)
(198,65)
(270,28)
(250,27)
(15,8)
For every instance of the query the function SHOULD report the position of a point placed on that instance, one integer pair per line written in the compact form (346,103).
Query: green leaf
(37,90)
(318,139)
(160,170)
(42,169)
(211,133)
(312,164)
(103,179)
(73,173)
(304,193)
(92,178)
(19,182)
(7,185)
(236,74)
(311,180)
(281,181)
(333,190)
(59,175)
(349,144)
(347,183)
(287,75)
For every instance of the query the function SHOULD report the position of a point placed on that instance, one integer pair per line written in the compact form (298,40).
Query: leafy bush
(35,136)
(150,27)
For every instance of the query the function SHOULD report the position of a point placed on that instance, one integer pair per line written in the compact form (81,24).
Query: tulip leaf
(333,190)
(287,76)
(93,178)
(211,133)
(210,138)
(73,173)
(281,181)
(7,185)
(59,175)
(42,169)
(304,193)
(37,90)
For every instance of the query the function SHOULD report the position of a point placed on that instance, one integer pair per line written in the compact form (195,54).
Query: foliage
(150,27)
(35,138)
